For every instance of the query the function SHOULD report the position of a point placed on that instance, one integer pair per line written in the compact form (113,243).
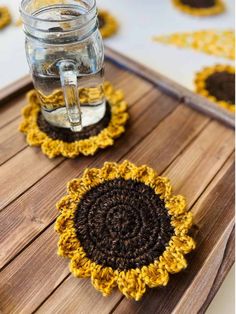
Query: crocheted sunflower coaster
(217,83)
(200,7)
(220,43)
(56,141)
(108,25)
(121,226)
(5,17)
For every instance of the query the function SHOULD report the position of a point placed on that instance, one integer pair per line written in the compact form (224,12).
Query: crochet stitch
(217,83)
(121,226)
(101,135)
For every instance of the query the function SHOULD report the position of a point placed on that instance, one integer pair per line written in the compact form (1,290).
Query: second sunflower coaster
(56,141)
(121,226)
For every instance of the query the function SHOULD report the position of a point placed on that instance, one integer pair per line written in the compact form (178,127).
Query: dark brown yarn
(66,135)
(222,86)
(199,3)
(101,21)
(122,224)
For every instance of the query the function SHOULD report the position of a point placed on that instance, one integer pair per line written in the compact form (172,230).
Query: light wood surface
(192,149)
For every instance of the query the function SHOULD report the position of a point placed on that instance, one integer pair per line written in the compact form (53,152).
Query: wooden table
(195,151)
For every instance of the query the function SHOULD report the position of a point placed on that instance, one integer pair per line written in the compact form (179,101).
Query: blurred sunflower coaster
(217,83)
(55,141)
(200,7)
(108,25)
(121,226)
(5,17)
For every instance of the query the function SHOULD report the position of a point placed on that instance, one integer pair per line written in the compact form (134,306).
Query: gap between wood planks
(208,132)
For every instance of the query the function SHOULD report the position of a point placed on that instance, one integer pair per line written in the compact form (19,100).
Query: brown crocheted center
(66,135)
(122,224)
(222,86)
(200,4)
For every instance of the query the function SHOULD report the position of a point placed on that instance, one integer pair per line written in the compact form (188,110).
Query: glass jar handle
(68,77)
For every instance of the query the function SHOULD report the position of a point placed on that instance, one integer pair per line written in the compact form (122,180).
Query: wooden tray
(194,150)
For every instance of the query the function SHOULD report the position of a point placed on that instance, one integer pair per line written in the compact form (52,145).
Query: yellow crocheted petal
(176,205)
(110,171)
(51,147)
(69,150)
(120,118)
(154,276)
(162,187)
(120,107)
(173,262)
(182,223)
(68,244)
(64,221)
(127,170)
(80,265)
(146,175)
(104,279)
(104,140)
(88,146)
(114,130)
(131,284)
(66,203)
(183,244)
(34,137)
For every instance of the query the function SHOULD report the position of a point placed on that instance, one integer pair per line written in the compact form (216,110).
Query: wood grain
(192,150)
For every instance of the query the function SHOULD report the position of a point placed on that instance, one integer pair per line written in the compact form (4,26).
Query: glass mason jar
(65,53)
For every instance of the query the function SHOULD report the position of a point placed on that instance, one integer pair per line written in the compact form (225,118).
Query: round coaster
(217,83)
(108,25)
(200,7)
(220,43)
(56,141)
(5,17)
(121,226)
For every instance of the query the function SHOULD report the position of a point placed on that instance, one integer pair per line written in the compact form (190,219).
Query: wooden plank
(174,89)
(16,88)
(11,110)
(29,215)
(214,216)
(226,265)
(11,141)
(29,299)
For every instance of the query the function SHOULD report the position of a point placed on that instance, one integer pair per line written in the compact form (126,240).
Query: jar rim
(25,14)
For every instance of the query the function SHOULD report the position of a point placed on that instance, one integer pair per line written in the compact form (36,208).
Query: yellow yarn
(53,148)
(218,8)
(132,283)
